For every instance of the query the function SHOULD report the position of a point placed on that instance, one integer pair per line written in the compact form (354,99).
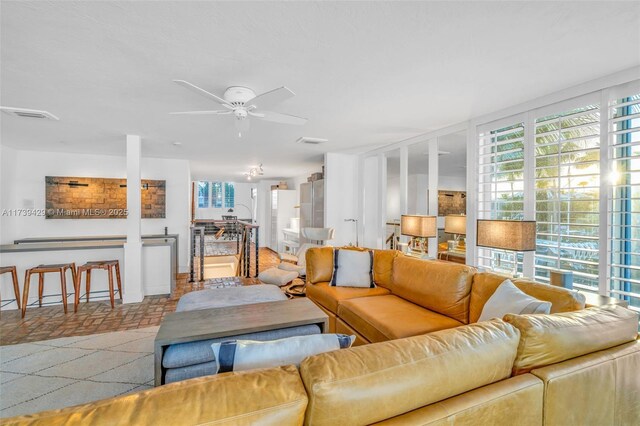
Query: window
(229,195)
(203,194)
(624,202)
(216,195)
(501,186)
(567,195)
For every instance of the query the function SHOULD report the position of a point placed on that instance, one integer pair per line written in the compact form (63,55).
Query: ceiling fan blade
(271,97)
(219,112)
(277,117)
(203,92)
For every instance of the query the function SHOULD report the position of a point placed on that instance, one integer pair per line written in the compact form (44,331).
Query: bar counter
(160,261)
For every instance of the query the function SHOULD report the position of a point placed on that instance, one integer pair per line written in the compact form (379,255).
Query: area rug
(59,373)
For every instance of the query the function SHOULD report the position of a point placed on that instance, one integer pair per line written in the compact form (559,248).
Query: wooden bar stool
(109,266)
(14,277)
(44,269)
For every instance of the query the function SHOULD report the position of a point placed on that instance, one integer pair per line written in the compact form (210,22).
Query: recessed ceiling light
(311,141)
(177,143)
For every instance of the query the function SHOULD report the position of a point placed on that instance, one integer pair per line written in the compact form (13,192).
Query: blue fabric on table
(184,354)
(190,372)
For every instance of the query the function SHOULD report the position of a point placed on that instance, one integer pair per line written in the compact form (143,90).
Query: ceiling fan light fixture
(243,102)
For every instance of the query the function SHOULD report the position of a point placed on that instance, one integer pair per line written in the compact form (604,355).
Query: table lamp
(511,235)
(456,225)
(419,228)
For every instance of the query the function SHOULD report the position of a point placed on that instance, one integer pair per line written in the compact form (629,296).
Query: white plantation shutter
(567,194)
(623,272)
(500,183)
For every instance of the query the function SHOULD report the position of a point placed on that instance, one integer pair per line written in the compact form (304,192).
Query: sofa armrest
(319,262)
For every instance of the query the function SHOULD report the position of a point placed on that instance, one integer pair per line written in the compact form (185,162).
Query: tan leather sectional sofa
(413,296)
(581,369)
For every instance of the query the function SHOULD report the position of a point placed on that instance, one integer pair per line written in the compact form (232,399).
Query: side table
(593,300)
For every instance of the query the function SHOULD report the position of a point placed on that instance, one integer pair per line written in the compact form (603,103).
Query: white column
(528,260)
(404,185)
(382,199)
(604,232)
(433,191)
(472,193)
(133,291)
(404,178)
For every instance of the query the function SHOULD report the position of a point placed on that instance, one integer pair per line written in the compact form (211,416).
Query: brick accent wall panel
(452,202)
(70,197)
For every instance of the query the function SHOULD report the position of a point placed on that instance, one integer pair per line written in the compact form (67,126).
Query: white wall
(341,196)
(417,189)
(242,192)
(371,212)
(393,198)
(452,183)
(23,186)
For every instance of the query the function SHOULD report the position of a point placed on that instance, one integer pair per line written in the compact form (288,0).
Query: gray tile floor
(74,370)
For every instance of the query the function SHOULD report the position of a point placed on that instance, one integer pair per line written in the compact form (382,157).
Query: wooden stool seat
(14,278)
(60,268)
(110,266)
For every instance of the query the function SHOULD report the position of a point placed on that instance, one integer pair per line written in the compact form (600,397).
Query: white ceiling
(365,73)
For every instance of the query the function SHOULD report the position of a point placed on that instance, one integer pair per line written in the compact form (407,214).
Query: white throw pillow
(277,276)
(286,266)
(509,299)
(352,268)
(238,355)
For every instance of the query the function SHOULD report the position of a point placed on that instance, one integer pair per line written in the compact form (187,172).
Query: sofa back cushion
(442,287)
(277,397)
(486,283)
(370,383)
(549,339)
(320,265)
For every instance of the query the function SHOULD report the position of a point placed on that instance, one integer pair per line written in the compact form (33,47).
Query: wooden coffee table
(204,324)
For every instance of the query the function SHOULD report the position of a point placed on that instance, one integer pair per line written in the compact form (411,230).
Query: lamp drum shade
(455,224)
(514,235)
(418,226)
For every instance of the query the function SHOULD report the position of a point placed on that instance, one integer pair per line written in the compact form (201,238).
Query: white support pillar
(404,178)
(404,185)
(382,199)
(133,291)
(528,259)
(472,193)
(433,191)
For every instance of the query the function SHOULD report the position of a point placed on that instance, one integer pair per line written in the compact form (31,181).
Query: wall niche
(70,197)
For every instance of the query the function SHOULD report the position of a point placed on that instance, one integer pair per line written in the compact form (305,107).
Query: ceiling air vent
(311,141)
(29,113)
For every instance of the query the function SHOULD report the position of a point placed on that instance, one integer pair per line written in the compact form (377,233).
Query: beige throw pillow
(509,299)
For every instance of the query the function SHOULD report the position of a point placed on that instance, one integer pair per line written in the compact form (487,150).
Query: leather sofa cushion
(371,383)
(329,297)
(441,287)
(320,265)
(602,388)
(390,317)
(486,283)
(277,397)
(549,339)
(497,404)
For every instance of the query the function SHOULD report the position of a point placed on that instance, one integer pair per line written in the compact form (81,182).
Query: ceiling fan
(243,103)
